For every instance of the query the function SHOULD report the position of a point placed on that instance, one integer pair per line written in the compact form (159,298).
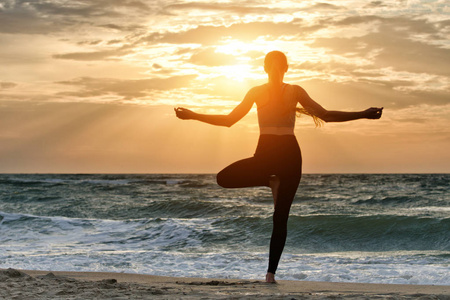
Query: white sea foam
(432,208)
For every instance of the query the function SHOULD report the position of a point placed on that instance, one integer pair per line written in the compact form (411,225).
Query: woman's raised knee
(221,179)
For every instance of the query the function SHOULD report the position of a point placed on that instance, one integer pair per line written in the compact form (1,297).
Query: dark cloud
(376,93)
(376,4)
(395,50)
(405,24)
(340,69)
(443,24)
(394,45)
(7,85)
(355,20)
(244,8)
(84,8)
(115,41)
(125,27)
(90,42)
(19,18)
(128,89)
(322,6)
(241,9)
(42,17)
(96,55)
(412,56)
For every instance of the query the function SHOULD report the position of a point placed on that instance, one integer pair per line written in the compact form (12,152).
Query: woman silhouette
(277,162)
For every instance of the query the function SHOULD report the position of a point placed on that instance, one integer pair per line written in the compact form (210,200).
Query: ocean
(376,228)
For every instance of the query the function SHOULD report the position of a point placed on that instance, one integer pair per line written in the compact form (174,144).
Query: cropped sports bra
(276,115)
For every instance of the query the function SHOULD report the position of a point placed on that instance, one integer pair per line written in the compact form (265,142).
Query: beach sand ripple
(17,284)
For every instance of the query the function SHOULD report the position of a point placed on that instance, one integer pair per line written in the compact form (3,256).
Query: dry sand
(24,284)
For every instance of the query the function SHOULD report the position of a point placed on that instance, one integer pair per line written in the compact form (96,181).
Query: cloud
(403,44)
(322,6)
(241,9)
(376,4)
(394,50)
(208,57)
(247,32)
(7,85)
(124,27)
(83,9)
(15,17)
(90,42)
(96,55)
(370,92)
(128,89)
(244,8)
(43,17)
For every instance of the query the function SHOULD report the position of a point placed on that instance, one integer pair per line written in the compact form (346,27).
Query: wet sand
(26,284)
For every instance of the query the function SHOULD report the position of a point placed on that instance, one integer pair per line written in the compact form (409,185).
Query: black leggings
(277,155)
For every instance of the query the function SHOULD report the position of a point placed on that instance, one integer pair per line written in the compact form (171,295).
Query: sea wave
(326,233)
(389,228)
(308,234)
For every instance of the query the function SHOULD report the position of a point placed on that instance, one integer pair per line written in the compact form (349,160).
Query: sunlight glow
(238,72)
(236,47)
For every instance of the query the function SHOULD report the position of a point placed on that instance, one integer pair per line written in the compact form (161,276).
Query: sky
(90,86)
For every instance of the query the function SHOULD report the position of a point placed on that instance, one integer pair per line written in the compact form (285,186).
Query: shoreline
(40,284)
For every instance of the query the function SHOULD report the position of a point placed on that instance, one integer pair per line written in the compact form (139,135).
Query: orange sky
(90,86)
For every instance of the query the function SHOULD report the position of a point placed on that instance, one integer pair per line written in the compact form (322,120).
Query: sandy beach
(26,284)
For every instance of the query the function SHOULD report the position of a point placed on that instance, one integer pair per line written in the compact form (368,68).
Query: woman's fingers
(374,112)
(182,113)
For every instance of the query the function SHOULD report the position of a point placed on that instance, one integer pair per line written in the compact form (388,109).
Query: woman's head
(275,63)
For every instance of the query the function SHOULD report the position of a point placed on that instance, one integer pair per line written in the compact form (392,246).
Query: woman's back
(276,109)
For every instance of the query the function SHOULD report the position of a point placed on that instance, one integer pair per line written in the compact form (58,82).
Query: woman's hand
(184,113)
(373,113)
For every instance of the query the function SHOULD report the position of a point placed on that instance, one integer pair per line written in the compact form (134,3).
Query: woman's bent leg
(244,173)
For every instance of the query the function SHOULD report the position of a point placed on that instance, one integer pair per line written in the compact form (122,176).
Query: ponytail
(301,111)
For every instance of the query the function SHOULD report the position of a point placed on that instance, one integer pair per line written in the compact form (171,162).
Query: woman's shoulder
(257,91)
(294,87)
(296,90)
(259,88)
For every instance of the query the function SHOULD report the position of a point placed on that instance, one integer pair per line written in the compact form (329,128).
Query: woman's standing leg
(286,193)
(288,170)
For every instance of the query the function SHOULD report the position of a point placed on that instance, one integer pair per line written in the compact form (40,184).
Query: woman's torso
(276,109)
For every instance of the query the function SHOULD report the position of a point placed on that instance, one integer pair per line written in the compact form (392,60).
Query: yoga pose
(277,162)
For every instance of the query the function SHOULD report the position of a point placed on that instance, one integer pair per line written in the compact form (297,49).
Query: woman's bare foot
(270,278)
(274,184)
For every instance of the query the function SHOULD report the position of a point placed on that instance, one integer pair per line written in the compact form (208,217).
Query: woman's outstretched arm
(343,116)
(220,120)
(317,110)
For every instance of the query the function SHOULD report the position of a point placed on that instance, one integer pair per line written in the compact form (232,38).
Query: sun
(237,72)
